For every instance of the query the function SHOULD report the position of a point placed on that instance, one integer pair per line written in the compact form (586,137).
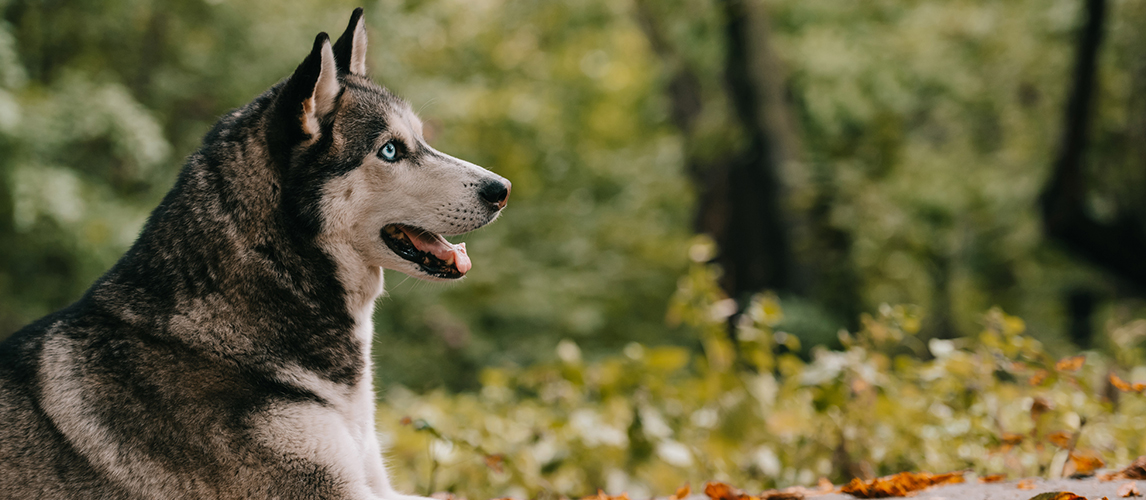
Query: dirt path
(1091,488)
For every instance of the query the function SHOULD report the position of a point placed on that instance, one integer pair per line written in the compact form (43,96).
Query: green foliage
(562,99)
(655,417)
(924,132)
(99,101)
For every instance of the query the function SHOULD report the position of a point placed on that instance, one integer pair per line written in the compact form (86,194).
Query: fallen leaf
(898,485)
(720,491)
(782,495)
(993,478)
(1070,364)
(1060,439)
(1136,470)
(681,492)
(824,485)
(1026,484)
(1082,463)
(1129,490)
(1057,495)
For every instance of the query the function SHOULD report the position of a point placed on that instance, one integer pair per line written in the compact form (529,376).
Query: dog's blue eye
(389,152)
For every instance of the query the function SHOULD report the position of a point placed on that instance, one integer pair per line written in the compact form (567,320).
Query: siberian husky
(227,354)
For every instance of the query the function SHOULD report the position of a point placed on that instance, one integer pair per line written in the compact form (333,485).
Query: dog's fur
(227,354)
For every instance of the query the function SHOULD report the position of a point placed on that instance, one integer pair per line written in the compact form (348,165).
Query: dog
(227,353)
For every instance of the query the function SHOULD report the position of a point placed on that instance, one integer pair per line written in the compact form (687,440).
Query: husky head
(361,176)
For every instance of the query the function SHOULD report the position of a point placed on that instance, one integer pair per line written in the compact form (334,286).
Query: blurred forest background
(944,157)
(844,156)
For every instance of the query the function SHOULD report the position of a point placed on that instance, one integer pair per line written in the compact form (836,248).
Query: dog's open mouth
(430,251)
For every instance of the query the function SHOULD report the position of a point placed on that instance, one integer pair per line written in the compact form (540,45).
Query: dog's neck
(239,281)
(363,283)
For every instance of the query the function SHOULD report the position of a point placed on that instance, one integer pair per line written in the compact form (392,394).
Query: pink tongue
(437,246)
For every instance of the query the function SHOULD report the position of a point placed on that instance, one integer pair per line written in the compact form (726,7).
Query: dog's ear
(312,91)
(350,49)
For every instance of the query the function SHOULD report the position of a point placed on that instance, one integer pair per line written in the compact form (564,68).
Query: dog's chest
(339,432)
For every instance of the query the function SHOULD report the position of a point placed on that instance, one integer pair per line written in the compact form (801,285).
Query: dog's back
(36,461)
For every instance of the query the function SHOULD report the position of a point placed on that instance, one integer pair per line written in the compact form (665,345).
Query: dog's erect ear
(350,49)
(312,90)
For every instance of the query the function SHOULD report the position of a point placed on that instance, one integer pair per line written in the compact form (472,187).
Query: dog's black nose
(495,192)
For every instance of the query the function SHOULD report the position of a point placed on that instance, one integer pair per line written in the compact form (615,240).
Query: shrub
(752,414)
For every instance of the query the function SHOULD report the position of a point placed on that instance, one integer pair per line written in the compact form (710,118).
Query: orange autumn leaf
(1012,439)
(720,491)
(898,485)
(993,478)
(494,462)
(681,492)
(1038,377)
(824,485)
(1071,364)
(1125,386)
(1057,495)
(1083,463)
(1026,484)
(1060,439)
(1119,384)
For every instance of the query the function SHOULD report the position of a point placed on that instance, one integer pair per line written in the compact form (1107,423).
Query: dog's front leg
(377,476)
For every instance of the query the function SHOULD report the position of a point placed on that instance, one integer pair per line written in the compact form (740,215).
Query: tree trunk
(741,205)
(1118,246)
